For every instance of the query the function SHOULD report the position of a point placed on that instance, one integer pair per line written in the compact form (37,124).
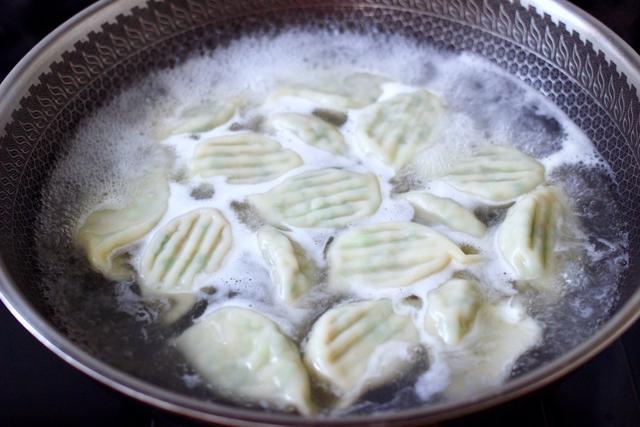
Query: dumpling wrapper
(244,357)
(527,236)
(360,346)
(485,357)
(355,90)
(390,255)
(244,158)
(291,271)
(441,210)
(196,242)
(495,173)
(396,129)
(452,309)
(201,118)
(320,198)
(105,232)
(311,130)
(171,306)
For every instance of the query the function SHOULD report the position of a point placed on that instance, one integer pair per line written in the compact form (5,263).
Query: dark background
(39,389)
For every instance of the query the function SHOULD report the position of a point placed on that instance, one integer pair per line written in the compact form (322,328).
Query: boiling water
(114,148)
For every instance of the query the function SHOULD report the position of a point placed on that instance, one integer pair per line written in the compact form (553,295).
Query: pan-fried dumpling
(244,158)
(244,357)
(441,210)
(452,309)
(360,346)
(486,355)
(337,92)
(200,118)
(311,130)
(390,255)
(196,242)
(105,232)
(399,127)
(320,198)
(496,173)
(527,236)
(291,271)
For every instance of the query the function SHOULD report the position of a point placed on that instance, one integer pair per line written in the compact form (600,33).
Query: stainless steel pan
(568,56)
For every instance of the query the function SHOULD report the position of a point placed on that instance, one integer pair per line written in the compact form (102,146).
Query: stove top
(39,389)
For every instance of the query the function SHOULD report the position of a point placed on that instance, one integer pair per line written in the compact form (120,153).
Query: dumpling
(396,129)
(452,309)
(390,255)
(243,158)
(441,210)
(360,346)
(196,242)
(320,198)
(495,173)
(311,130)
(244,357)
(482,340)
(107,231)
(484,358)
(291,271)
(197,119)
(337,92)
(527,237)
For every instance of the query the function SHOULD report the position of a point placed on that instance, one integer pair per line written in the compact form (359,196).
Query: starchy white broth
(116,147)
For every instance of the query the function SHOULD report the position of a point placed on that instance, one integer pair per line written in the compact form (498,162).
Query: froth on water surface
(115,147)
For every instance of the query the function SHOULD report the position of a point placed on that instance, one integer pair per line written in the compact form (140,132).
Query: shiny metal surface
(16,86)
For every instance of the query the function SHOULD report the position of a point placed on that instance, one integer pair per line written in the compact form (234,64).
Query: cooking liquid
(114,148)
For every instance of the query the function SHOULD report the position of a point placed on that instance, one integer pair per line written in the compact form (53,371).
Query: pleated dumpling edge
(391,255)
(322,198)
(196,242)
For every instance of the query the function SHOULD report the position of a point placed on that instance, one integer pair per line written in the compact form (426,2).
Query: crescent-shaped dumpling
(441,210)
(291,271)
(105,232)
(527,236)
(360,346)
(196,242)
(495,173)
(200,118)
(452,309)
(244,158)
(396,129)
(390,255)
(500,335)
(311,130)
(320,198)
(243,356)
(355,90)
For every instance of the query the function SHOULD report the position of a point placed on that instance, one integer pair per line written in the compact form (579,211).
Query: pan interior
(605,115)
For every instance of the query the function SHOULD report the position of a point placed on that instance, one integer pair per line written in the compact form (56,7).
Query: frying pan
(552,46)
